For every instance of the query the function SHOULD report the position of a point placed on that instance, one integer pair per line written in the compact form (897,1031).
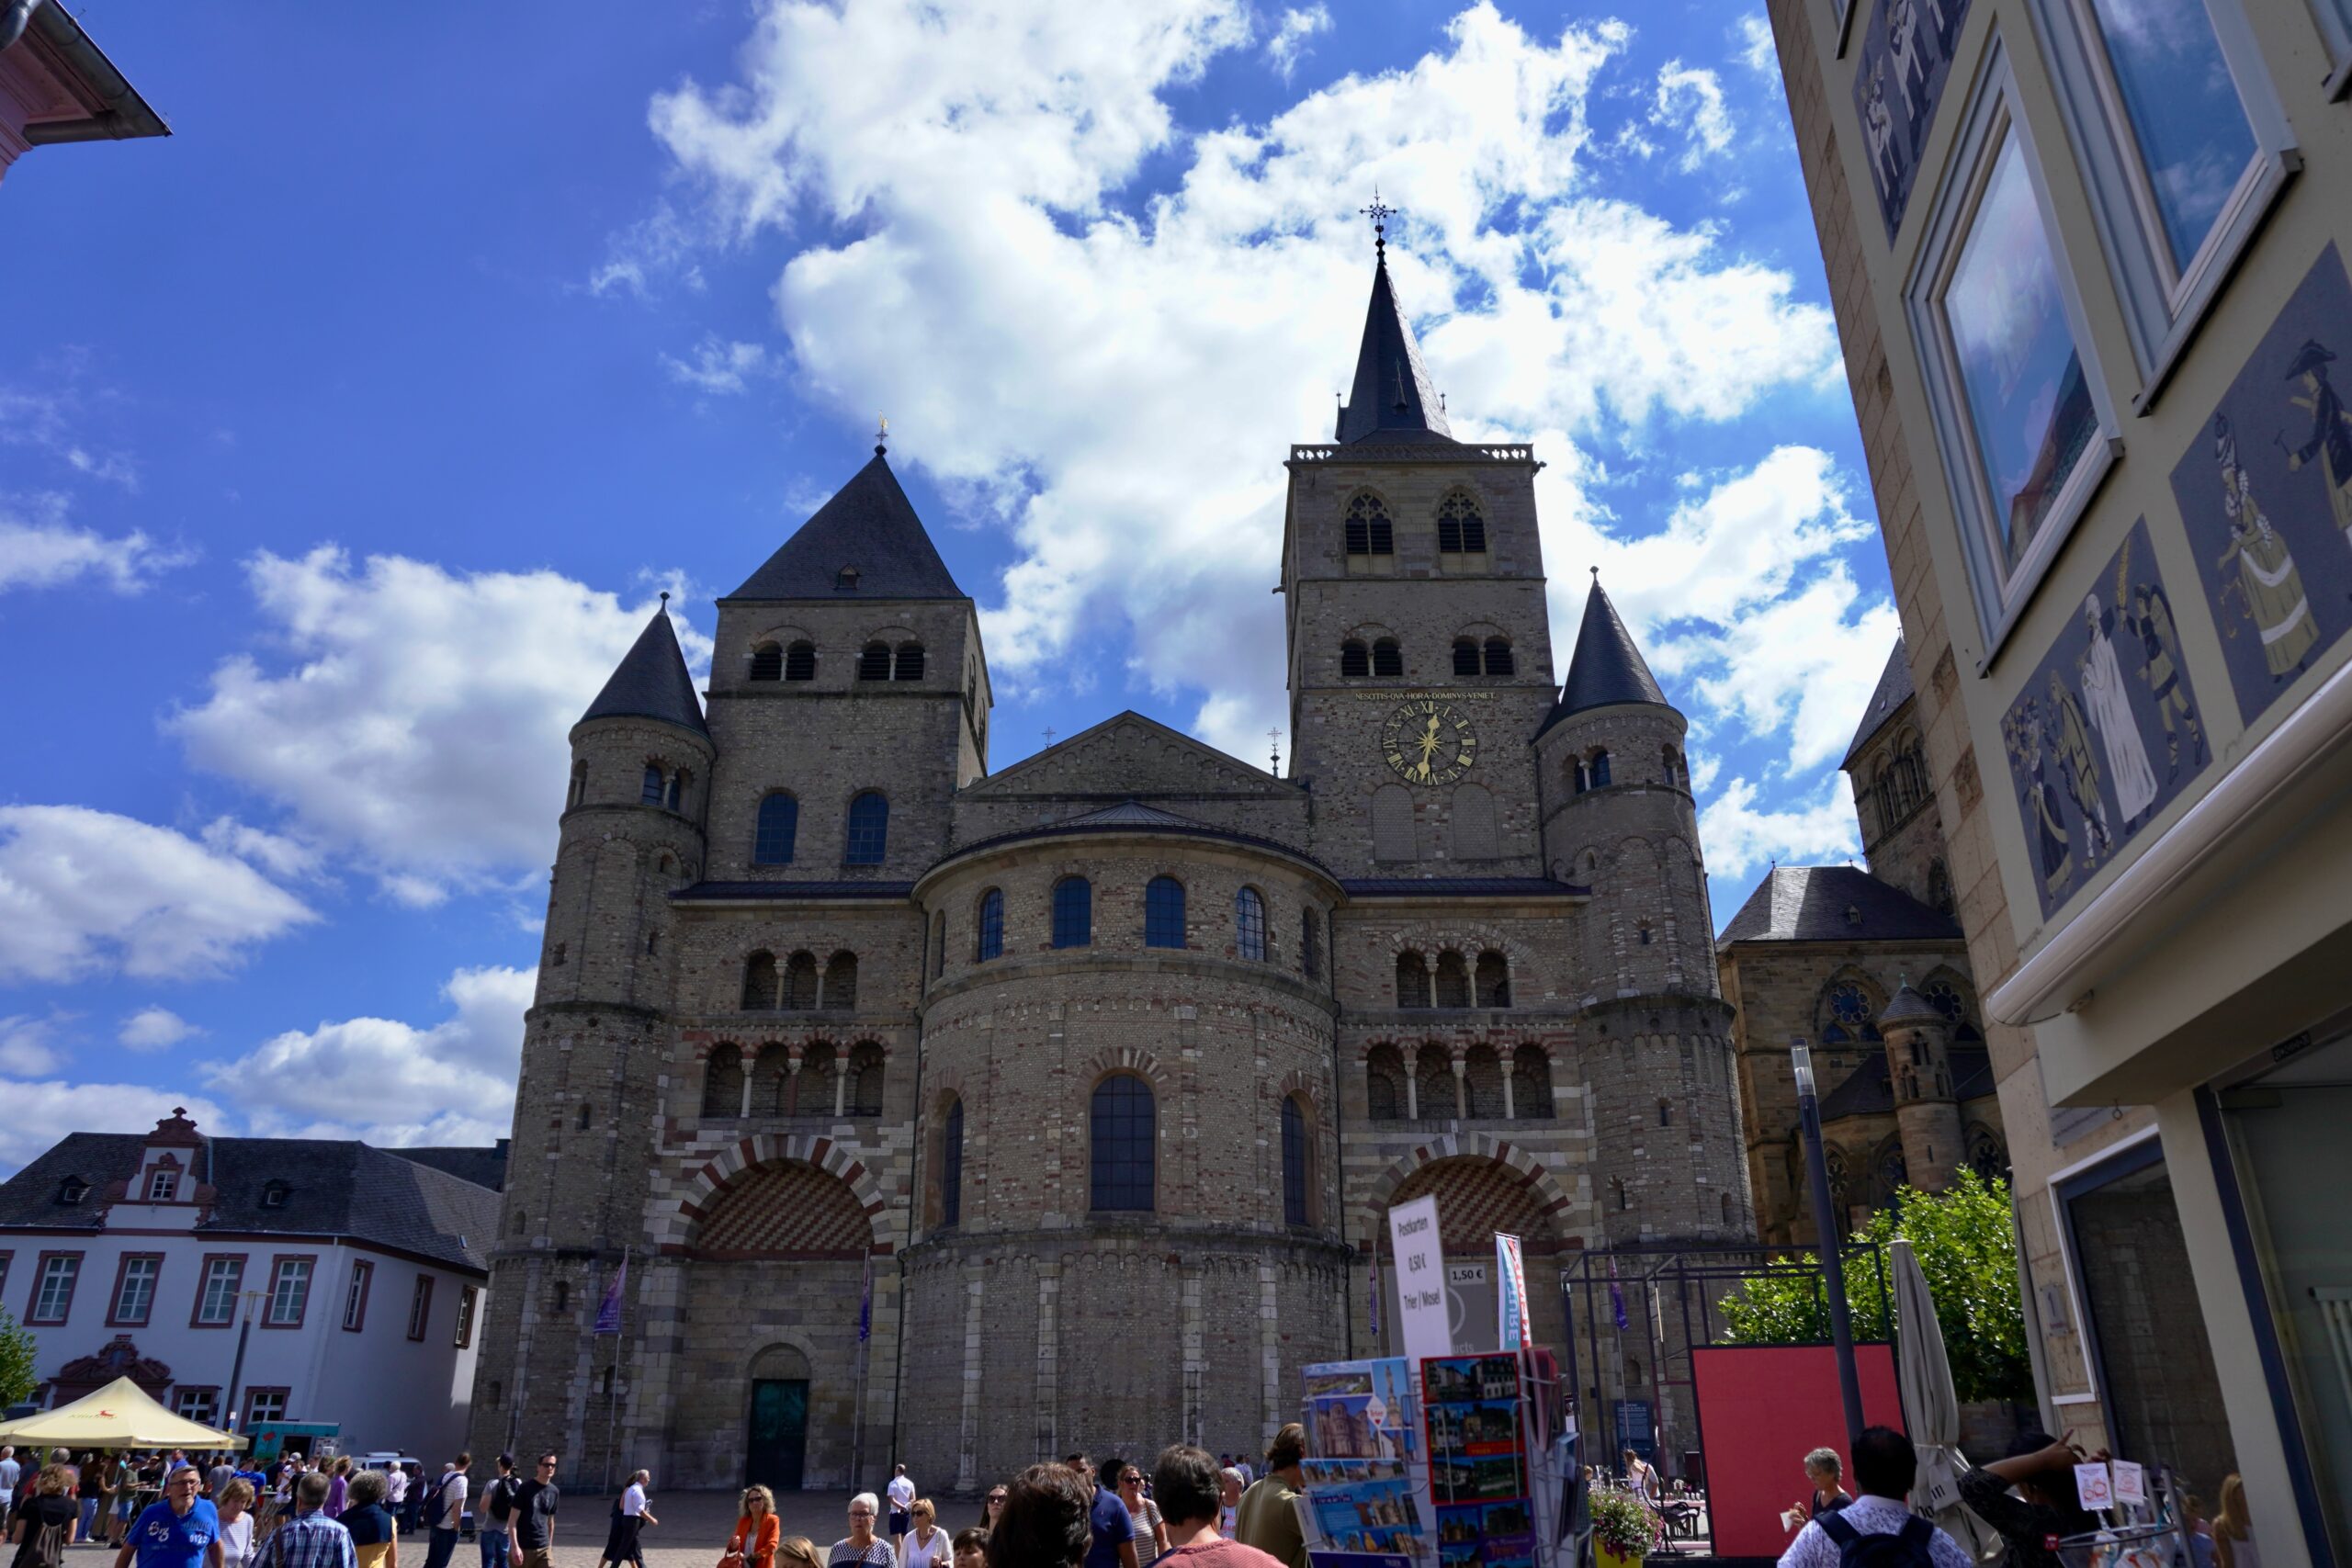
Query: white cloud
(28,1044)
(1690,100)
(721,366)
(418,721)
(86,892)
(39,548)
(155,1028)
(40,1111)
(1146,360)
(1757,50)
(44,420)
(392,1083)
(1288,45)
(1740,837)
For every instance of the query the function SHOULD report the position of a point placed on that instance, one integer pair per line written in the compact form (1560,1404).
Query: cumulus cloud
(1690,99)
(1288,44)
(86,892)
(1145,357)
(154,1029)
(1757,50)
(720,366)
(29,1043)
(391,1082)
(40,549)
(1741,837)
(40,1111)
(411,718)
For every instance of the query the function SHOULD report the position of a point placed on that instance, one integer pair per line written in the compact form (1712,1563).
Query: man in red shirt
(1190,1490)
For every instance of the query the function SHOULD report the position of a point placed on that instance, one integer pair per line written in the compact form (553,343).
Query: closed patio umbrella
(119,1415)
(1930,1406)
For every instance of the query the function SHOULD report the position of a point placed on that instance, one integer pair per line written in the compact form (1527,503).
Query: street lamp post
(1825,1226)
(237,1368)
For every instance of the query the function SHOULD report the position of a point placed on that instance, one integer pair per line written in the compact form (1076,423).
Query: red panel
(1761,1409)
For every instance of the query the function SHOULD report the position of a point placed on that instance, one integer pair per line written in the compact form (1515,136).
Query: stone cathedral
(884,1106)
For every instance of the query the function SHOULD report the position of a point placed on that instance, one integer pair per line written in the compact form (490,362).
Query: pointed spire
(865,541)
(1606,667)
(650,680)
(1392,396)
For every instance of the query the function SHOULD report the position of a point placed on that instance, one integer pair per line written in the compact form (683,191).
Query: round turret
(1918,1066)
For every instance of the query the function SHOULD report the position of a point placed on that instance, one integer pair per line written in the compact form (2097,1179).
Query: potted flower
(1624,1530)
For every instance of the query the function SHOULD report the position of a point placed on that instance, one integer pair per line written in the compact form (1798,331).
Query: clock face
(1427,741)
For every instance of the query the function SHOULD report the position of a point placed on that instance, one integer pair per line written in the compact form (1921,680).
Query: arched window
(1073,912)
(1368,529)
(951,1166)
(801,982)
(910,662)
(800,661)
(1642,931)
(1665,1113)
(759,982)
(1387,659)
(779,828)
(841,981)
(1452,980)
(865,1080)
(562,1295)
(1499,658)
(1250,925)
(1725,1197)
(1412,980)
(991,927)
(1482,1082)
(1384,1084)
(1393,836)
(587,1118)
(676,800)
(1465,656)
(874,662)
(1123,1126)
(1530,1085)
(1678,771)
(869,829)
(1493,978)
(1163,913)
(1474,837)
(1356,659)
(1598,770)
(579,785)
(1617,1187)
(650,795)
(1578,780)
(771,1076)
(939,944)
(767,662)
(1310,943)
(1434,1084)
(1294,1189)
(1461,528)
(812,1087)
(723,1082)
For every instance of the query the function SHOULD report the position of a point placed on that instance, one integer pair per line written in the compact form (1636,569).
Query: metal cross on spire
(881,434)
(1274,751)
(1380,212)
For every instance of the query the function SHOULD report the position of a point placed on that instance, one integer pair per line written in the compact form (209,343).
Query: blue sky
(350,433)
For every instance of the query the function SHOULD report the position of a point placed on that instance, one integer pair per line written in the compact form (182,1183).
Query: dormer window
(273,1195)
(73,1190)
(162,1184)
(846,579)
(1853,914)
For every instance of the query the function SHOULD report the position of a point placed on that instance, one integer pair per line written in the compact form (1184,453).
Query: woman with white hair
(862,1548)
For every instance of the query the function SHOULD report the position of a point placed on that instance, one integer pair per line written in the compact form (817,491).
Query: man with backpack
(494,1518)
(445,1512)
(1877,1530)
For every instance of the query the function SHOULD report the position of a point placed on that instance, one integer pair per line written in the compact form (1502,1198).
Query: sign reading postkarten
(1423,1316)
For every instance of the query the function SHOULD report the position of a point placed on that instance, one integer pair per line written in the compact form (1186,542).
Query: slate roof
(1869,1090)
(651,682)
(1908,1004)
(1392,398)
(484,1167)
(1893,690)
(1808,903)
(870,526)
(1606,667)
(334,1187)
(1134,816)
(1460,888)
(716,892)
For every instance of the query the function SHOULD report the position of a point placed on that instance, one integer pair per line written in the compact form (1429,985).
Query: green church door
(779,1435)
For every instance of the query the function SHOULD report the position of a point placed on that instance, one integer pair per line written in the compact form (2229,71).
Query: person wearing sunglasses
(1142,1514)
(991,1508)
(181,1531)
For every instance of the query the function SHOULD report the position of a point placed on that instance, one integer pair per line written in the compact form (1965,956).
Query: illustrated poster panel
(1898,80)
(2108,730)
(2266,496)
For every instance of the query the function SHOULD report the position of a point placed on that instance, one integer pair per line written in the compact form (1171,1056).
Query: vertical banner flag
(865,1303)
(1512,1330)
(608,1311)
(1424,1318)
(1617,1298)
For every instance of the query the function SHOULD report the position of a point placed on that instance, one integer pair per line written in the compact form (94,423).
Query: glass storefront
(2285,1129)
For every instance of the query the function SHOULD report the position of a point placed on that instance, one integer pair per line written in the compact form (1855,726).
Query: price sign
(2094,1487)
(2131,1481)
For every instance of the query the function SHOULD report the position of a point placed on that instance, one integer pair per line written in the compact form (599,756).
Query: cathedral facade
(877,1105)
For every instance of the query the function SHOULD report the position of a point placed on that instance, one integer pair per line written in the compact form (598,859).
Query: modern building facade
(1824,953)
(56,86)
(246,1281)
(879,1099)
(2088,261)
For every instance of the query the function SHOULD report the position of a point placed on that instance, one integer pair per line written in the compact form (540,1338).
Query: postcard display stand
(1420,1472)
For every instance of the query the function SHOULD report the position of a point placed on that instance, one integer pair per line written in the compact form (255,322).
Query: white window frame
(61,1273)
(162,1184)
(2336,23)
(201,1405)
(131,1276)
(290,1282)
(1993,115)
(2162,309)
(228,1275)
(355,1296)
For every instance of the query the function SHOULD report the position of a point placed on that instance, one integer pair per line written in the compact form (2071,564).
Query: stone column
(1510,1112)
(1412,1083)
(840,1084)
(1461,1066)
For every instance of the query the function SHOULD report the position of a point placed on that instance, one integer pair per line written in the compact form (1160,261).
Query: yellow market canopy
(119,1415)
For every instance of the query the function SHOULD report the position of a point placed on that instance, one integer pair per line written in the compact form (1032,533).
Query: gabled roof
(869,527)
(1392,398)
(1893,690)
(1869,1090)
(1808,903)
(1145,755)
(651,682)
(1130,814)
(1606,667)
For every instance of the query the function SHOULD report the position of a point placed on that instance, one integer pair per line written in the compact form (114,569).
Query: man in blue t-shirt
(1115,1532)
(181,1531)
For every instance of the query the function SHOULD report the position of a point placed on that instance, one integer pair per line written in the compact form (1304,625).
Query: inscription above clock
(1427,742)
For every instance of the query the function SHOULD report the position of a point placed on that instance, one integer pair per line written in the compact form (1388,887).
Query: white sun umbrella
(1930,1406)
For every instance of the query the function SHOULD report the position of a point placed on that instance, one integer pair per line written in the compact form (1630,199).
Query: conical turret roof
(1606,667)
(866,543)
(650,682)
(1392,398)
(1909,1006)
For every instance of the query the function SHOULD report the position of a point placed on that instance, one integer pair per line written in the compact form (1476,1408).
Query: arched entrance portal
(1477,1196)
(776,1441)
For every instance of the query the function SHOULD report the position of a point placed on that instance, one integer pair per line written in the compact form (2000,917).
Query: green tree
(1966,1248)
(17,1348)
